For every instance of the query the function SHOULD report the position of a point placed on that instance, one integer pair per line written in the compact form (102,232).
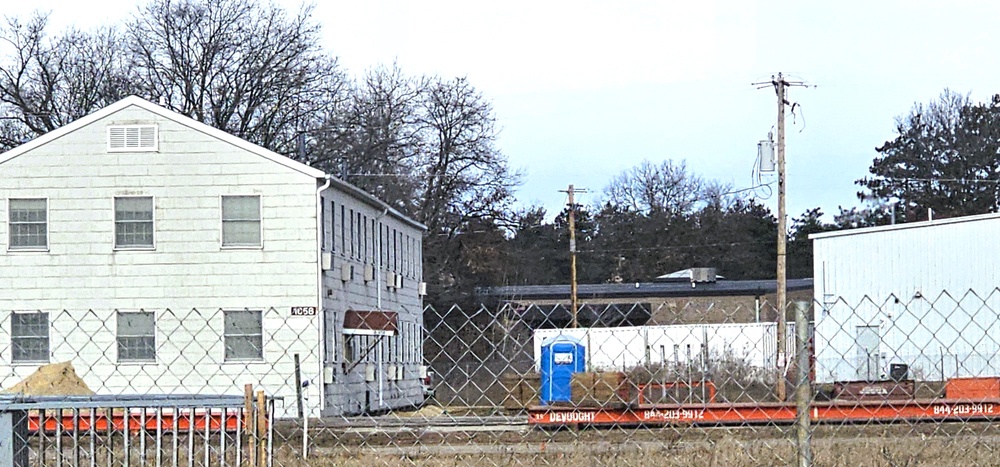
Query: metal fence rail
(139,430)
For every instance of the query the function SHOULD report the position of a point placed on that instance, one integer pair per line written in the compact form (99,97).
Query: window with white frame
(241,221)
(381,247)
(359,238)
(136,336)
(333,225)
(371,236)
(349,350)
(395,250)
(353,243)
(29,337)
(404,334)
(390,349)
(364,236)
(406,254)
(134,222)
(28,224)
(243,335)
(343,234)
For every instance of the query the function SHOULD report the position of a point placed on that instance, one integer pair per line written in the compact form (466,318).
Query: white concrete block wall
(188,269)
(352,392)
(188,278)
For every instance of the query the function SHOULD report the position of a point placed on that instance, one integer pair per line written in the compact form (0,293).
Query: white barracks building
(161,255)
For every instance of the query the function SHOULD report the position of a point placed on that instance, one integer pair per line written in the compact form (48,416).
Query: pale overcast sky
(586,89)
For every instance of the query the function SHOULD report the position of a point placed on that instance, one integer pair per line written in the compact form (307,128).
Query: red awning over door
(371,322)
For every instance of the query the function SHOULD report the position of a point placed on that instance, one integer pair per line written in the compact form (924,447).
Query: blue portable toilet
(561,357)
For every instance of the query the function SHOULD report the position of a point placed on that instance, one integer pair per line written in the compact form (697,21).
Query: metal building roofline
(908,225)
(645,289)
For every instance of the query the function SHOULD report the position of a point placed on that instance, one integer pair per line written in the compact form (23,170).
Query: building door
(867,357)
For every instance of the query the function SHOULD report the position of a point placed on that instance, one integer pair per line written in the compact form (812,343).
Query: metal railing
(138,430)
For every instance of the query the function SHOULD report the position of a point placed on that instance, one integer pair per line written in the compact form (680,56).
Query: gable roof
(168,115)
(374,201)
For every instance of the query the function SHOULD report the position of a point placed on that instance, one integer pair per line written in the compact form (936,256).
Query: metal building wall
(928,287)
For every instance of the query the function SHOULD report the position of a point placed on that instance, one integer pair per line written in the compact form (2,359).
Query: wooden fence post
(248,425)
(261,430)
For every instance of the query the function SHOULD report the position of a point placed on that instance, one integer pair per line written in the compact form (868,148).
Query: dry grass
(970,444)
(728,451)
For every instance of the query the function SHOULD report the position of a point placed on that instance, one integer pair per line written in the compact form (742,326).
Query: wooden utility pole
(572,256)
(780,87)
(803,392)
(782,298)
(572,253)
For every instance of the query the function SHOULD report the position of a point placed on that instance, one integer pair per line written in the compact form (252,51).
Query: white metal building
(626,347)
(920,294)
(161,255)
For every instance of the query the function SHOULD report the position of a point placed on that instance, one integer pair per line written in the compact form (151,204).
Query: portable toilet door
(561,357)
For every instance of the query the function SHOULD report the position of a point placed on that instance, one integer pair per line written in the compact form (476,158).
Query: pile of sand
(426,411)
(55,379)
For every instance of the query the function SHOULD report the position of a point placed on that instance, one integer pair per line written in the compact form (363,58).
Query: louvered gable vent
(132,138)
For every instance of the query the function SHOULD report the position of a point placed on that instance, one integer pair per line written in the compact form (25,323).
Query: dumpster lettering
(673,414)
(964,409)
(571,417)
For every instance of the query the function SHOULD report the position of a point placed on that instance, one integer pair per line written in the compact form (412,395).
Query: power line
(955,180)
(674,247)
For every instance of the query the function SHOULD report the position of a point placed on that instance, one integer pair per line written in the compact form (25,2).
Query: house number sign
(303,311)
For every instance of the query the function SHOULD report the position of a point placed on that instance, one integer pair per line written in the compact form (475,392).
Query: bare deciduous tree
(246,69)
(666,188)
(374,141)
(47,82)
(465,175)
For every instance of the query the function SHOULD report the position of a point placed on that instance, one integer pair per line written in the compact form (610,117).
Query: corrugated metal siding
(927,288)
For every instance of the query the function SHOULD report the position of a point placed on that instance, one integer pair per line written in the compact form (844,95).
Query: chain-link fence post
(803,392)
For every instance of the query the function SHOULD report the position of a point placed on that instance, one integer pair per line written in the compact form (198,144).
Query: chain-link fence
(887,381)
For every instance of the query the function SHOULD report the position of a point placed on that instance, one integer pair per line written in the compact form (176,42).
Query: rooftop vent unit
(699,275)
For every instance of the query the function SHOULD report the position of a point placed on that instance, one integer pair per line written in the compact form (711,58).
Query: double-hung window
(136,336)
(243,335)
(134,222)
(28,224)
(29,336)
(241,221)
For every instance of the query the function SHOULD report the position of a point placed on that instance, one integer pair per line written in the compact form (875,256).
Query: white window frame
(222,222)
(226,335)
(343,231)
(406,254)
(138,147)
(10,230)
(114,232)
(333,226)
(119,336)
(322,224)
(15,338)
